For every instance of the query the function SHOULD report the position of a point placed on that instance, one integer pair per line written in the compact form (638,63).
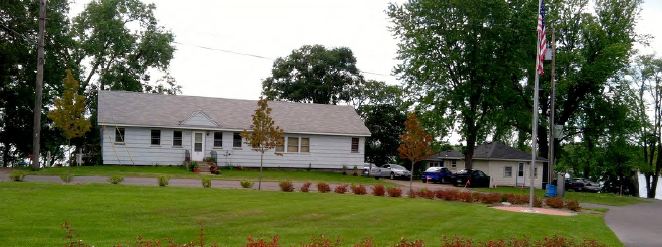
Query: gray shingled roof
(489,151)
(141,109)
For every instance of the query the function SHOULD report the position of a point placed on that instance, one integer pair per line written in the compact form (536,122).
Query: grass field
(109,214)
(597,198)
(226,174)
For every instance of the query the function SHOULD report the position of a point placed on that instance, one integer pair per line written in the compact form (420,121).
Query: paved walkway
(638,225)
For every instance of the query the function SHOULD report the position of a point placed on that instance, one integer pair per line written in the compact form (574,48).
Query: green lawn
(597,198)
(226,174)
(104,214)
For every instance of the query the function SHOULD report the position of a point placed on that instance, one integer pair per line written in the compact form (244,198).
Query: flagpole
(534,123)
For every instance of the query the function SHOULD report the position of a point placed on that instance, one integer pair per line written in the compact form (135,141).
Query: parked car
(436,174)
(392,171)
(366,167)
(470,178)
(582,184)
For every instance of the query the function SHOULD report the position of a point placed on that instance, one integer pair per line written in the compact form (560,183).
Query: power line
(256,56)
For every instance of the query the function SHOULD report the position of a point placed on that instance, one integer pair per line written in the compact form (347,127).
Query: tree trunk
(469,152)
(411,178)
(259,181)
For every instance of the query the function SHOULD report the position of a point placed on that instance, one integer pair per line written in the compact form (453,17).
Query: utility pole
(552,124)
(36,129)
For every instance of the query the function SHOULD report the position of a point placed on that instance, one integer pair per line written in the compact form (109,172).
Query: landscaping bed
(582,197)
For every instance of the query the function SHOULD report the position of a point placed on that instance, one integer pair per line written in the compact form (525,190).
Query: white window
(507,171)
(293,144)
(177,138)
(119,135)
(305,145)
(355,145)
(156,137)
(281,148)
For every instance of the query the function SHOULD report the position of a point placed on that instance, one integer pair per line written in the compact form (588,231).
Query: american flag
(542,39)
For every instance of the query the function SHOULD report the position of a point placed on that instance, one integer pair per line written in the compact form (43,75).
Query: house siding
(325,151)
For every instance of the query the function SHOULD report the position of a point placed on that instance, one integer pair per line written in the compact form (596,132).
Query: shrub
(394,192)
(206,182)
(17,176)
(116,179)
(490,198)
(286,186)
(465,196)
(250,242)
(164,180)
(66,178)
(378,190)
(537,202)
(406,243)
(323,187)
(572,205)
(554,202)
(193,166)
(341,189)
(517,199)
(344,170)
(305,187)
(448,195)
(426,193)
(214,169)
(359,189)
(355,171)
(246,184)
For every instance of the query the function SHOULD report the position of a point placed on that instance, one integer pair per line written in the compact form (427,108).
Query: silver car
(391,171)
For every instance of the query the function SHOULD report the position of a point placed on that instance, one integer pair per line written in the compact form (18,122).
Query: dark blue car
(436,174)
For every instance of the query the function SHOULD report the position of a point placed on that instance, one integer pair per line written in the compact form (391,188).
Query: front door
(198,139)
(520,175)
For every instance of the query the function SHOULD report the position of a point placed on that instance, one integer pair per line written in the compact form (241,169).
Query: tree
(385,123)
(313,74)
(69,112)
(646,73)
(264,134)
(415,144)
(18,35)
(465,61)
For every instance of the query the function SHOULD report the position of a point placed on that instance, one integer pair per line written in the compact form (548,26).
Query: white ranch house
(155,129)
(505,165)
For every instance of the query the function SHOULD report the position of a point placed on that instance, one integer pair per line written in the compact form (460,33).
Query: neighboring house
(505,165)
(155,129)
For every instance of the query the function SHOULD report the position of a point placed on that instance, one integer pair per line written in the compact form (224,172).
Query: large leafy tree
(465,59)
(18,35)
(384,110)
(264,134)
(646,74)
(112,44)
(313,74)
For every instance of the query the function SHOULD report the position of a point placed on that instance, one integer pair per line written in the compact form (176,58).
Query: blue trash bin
(551,190)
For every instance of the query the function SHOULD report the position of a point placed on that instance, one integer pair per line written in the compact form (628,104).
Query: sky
(271,29)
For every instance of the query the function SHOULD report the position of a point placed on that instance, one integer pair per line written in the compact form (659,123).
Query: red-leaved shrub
(572,205)
(406,243)
(555,202)
(465,196)
(448,195)
(305,187)
(537,202)
(341,189)
(378,190)
(359,189)
(426,193)
(490,198)
(517,199)
(322,241)
(286,186)
(394,192)
(250,242)
(323,187)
